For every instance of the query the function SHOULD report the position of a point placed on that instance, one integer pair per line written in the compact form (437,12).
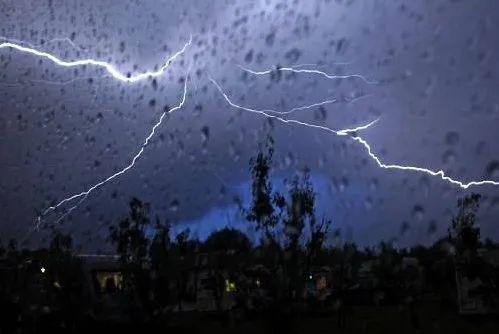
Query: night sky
(432,72)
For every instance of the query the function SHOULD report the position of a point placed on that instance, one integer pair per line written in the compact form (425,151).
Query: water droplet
(174,205)
(418,213)
(205,134)
(452,138)
(492,169)
(449,157)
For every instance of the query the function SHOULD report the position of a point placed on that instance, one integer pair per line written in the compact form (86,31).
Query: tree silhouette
(182,241)
(161,269)
(464,232)
(132,245)
(129,237)
(300,209)
(318,234)
(228,240)
(63,273)
(263,209)
(160,246)
(184,252)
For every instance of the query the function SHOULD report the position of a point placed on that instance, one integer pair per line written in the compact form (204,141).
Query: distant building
(105,289)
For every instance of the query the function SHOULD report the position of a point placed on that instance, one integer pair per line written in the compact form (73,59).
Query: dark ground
(431,318)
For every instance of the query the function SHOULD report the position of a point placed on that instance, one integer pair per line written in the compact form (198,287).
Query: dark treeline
(178,282)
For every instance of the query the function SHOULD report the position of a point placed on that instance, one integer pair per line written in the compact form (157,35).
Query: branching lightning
(76,199)
(342,132)
(309,71)
(116,74)
(83,195)
(440,173)
(352,133)
(111,69)
(313,105)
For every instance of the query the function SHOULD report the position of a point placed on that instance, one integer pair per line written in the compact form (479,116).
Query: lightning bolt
(352,133)
(113,72)
(309,71)
(440,173)
(290,111)
(265,113)
(57,39)
(83,195)
(111,69)
(313,105)
(116,74)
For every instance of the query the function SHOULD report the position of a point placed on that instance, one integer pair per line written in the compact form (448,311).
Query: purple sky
(436,63)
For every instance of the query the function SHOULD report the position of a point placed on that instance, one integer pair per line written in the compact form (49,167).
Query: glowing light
(352,134)
(57,39)
(115,73)
(83,195)
(42,270)
(309,71)
(230,286)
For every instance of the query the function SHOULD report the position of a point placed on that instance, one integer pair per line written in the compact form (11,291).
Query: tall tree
(184,250)
(161,269)
(318,234)
(228,240)
(132,245)
(464,232)
(63,272)
(465,236)
(299,209)
(263,209)
(129,236)
(160,246)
